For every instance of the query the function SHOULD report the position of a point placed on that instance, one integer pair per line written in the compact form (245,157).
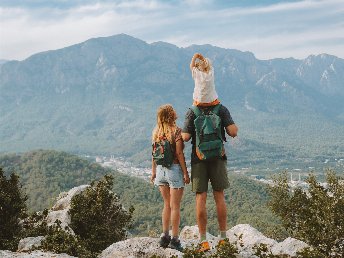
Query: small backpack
(162,152)
(209,140)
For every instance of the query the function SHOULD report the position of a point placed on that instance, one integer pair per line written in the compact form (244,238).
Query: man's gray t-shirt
(189,127)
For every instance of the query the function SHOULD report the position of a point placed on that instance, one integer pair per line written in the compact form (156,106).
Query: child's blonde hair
(166,123)
(203,65)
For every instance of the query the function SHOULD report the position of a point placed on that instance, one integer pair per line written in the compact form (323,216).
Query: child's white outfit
(204,91)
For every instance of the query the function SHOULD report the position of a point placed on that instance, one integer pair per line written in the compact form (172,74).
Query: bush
(12,209)
(59,240)
(97,216)
(314,215)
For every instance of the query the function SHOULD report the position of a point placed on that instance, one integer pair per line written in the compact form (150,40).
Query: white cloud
(280,30)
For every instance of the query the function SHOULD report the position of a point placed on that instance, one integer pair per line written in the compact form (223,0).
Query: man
(213,170)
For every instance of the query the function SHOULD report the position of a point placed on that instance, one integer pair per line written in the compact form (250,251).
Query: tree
(12,209)
(314,215)
(98,217)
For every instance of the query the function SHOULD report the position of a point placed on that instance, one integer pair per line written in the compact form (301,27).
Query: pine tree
(12,209)
(97,216)
(314,215)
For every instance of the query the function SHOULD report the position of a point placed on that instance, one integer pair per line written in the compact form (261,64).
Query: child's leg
(166,212)
(176,197)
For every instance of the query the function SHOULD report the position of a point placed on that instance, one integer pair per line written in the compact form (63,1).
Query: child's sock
(166,233)
(223,234)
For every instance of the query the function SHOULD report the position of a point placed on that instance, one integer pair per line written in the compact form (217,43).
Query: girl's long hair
(166,123)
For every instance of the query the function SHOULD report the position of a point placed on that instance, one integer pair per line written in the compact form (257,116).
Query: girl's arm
(153,171)
(181,159)
(193,60)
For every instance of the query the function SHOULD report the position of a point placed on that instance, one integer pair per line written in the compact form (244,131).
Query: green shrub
(97,216)
(314,215)
(59,240)
(12,209)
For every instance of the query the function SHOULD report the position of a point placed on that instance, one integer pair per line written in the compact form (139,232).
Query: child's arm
(193,60)
(181,159)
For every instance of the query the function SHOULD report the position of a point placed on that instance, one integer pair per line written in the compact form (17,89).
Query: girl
(170,180)
(203,74)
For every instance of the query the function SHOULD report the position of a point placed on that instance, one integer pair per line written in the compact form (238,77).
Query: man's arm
(232,130)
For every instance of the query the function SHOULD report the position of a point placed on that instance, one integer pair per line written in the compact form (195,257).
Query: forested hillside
(44,174)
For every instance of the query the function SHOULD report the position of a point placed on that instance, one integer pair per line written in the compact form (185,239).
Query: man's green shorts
(214,171)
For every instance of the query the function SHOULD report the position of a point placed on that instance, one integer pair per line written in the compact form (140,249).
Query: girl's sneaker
(164,241)
(175,244)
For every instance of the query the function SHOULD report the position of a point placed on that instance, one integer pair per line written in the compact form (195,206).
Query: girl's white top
(204,90)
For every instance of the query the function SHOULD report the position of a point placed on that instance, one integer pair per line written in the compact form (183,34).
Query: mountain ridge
(69,98)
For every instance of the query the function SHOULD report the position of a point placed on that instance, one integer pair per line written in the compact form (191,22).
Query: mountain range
(101,97)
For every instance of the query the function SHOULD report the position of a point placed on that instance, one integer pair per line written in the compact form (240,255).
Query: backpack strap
(216,109)
(196,110)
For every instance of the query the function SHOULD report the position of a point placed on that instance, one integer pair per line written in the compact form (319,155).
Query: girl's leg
(166,212)
(176,197)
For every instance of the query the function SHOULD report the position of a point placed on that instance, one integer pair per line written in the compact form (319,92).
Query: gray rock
(26,244)
(289,246)
(64,199)
(34,254)
(143,247)
(249,237)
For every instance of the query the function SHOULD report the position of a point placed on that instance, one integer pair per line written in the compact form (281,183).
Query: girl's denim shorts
(172,176)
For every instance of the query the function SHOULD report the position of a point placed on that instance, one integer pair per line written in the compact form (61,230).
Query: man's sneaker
(221,242)
(204,246)
(164,241)
(175,244)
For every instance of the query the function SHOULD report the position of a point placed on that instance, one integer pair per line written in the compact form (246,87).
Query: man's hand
(232,130)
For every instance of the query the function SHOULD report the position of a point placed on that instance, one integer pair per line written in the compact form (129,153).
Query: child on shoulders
(204,94)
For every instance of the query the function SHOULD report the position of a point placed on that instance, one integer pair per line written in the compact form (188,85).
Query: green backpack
(162,152)
(209,140)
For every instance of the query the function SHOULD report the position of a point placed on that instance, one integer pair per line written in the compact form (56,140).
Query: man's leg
(201,213)
(221,209)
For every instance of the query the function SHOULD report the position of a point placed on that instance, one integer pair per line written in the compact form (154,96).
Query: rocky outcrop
(34,254)
(289,246)
(27,244)
(243,235)
(60,210)
(143,247)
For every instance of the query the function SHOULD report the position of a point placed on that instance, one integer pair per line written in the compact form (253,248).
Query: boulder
(64,198)
(27,244)
(249,238)
(289,246)
(33,254)
(143,247)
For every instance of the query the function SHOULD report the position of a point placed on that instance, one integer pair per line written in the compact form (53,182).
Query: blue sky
(269,29)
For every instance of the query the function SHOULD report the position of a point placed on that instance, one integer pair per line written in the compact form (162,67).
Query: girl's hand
(186,178)
(153,178)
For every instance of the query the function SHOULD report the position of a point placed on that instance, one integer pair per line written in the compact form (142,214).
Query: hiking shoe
(204,246)
(164,241)
(175,244)
(221,242)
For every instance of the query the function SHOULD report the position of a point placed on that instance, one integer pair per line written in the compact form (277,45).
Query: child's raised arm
(193,60)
